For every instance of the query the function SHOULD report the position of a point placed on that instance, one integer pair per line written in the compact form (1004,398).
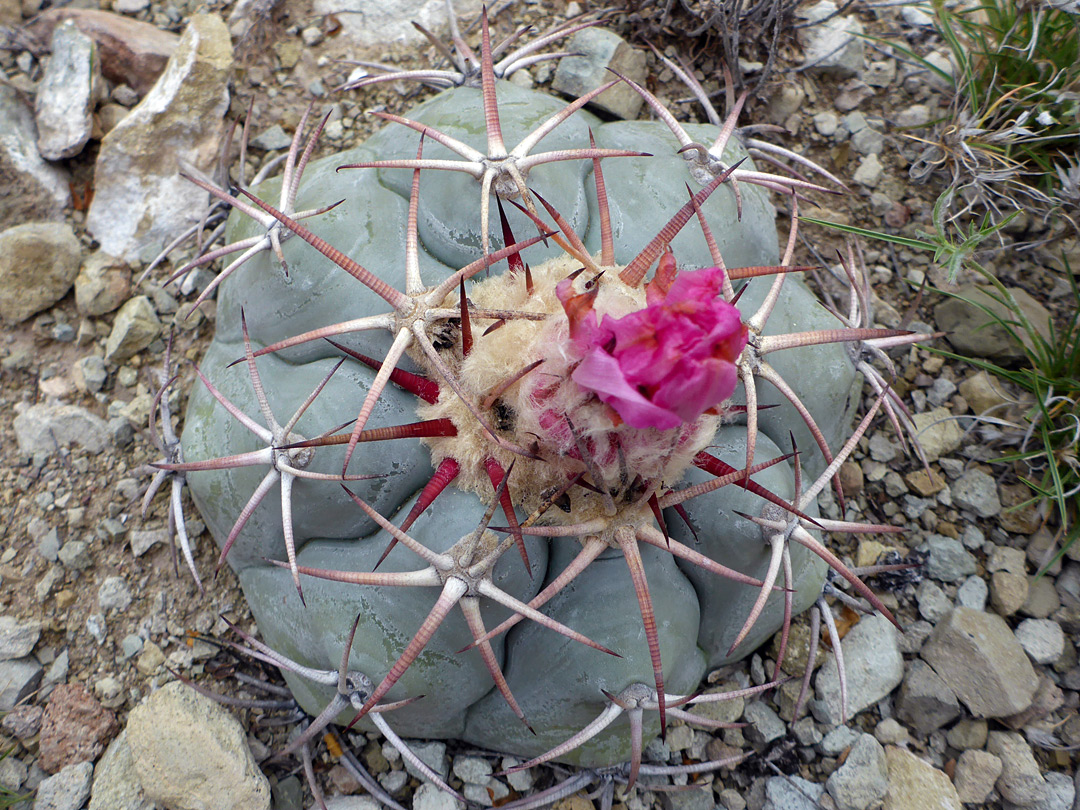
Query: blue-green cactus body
(557,682)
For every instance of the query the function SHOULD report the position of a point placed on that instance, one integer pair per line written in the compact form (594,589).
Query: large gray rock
(973,332)
(874,668)
(140,201)
(598,53)
(978,656)
(38,265)
(862,780)
(191,754)
(926,703)
(17,638)
(64,107)
(48,427)
(116,784)
(374,25)
(831,43)
(67,790)
(1021,781)
(30,188)
(19,678)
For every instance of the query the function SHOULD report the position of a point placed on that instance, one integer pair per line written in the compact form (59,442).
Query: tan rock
(984,393)
(926,484)
(1020,513)
(38,265)
(980,659)
(851,478)
(103,284)
(1008,592)
(937,432)
(135,327)
(140,201)
(191,754)
(976,773)
(915,784)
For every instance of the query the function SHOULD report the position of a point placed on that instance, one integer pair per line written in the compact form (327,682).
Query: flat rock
(915,784)
(64,106)
(985,394)
(67,790)
(17,638)
(765,726)
(862,780)
(949,561)
(130,51)
(976,773)
(38,265)
(135,327)
(374,25)
(116,785)
(925,702)
(978,656)
(75,728)
(1020,782)
(47,427)
(191,754)
(30,188)
(937,432)
(597,53)
(102,285)
(874,668)
(793,793)
(1042,639)
(977,491)
(19,677)
(831,44)
(23,722)
(971,331)
(140,201)
(1008,591)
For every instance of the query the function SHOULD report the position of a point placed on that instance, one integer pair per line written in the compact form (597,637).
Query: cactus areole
(507,436)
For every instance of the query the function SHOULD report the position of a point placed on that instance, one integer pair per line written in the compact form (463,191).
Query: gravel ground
(94,618)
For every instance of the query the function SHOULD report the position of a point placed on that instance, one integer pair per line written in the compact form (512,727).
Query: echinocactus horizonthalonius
(537,482)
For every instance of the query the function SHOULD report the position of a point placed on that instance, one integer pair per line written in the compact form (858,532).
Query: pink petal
(600,372)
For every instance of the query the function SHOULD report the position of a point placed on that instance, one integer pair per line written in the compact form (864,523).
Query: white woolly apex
(569,428)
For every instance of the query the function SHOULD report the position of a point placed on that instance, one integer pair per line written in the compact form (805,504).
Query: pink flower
(668,363)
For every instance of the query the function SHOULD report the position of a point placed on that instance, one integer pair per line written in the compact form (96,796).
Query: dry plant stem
(168,444)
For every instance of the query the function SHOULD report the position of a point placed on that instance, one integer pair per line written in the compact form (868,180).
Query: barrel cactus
(483,442)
